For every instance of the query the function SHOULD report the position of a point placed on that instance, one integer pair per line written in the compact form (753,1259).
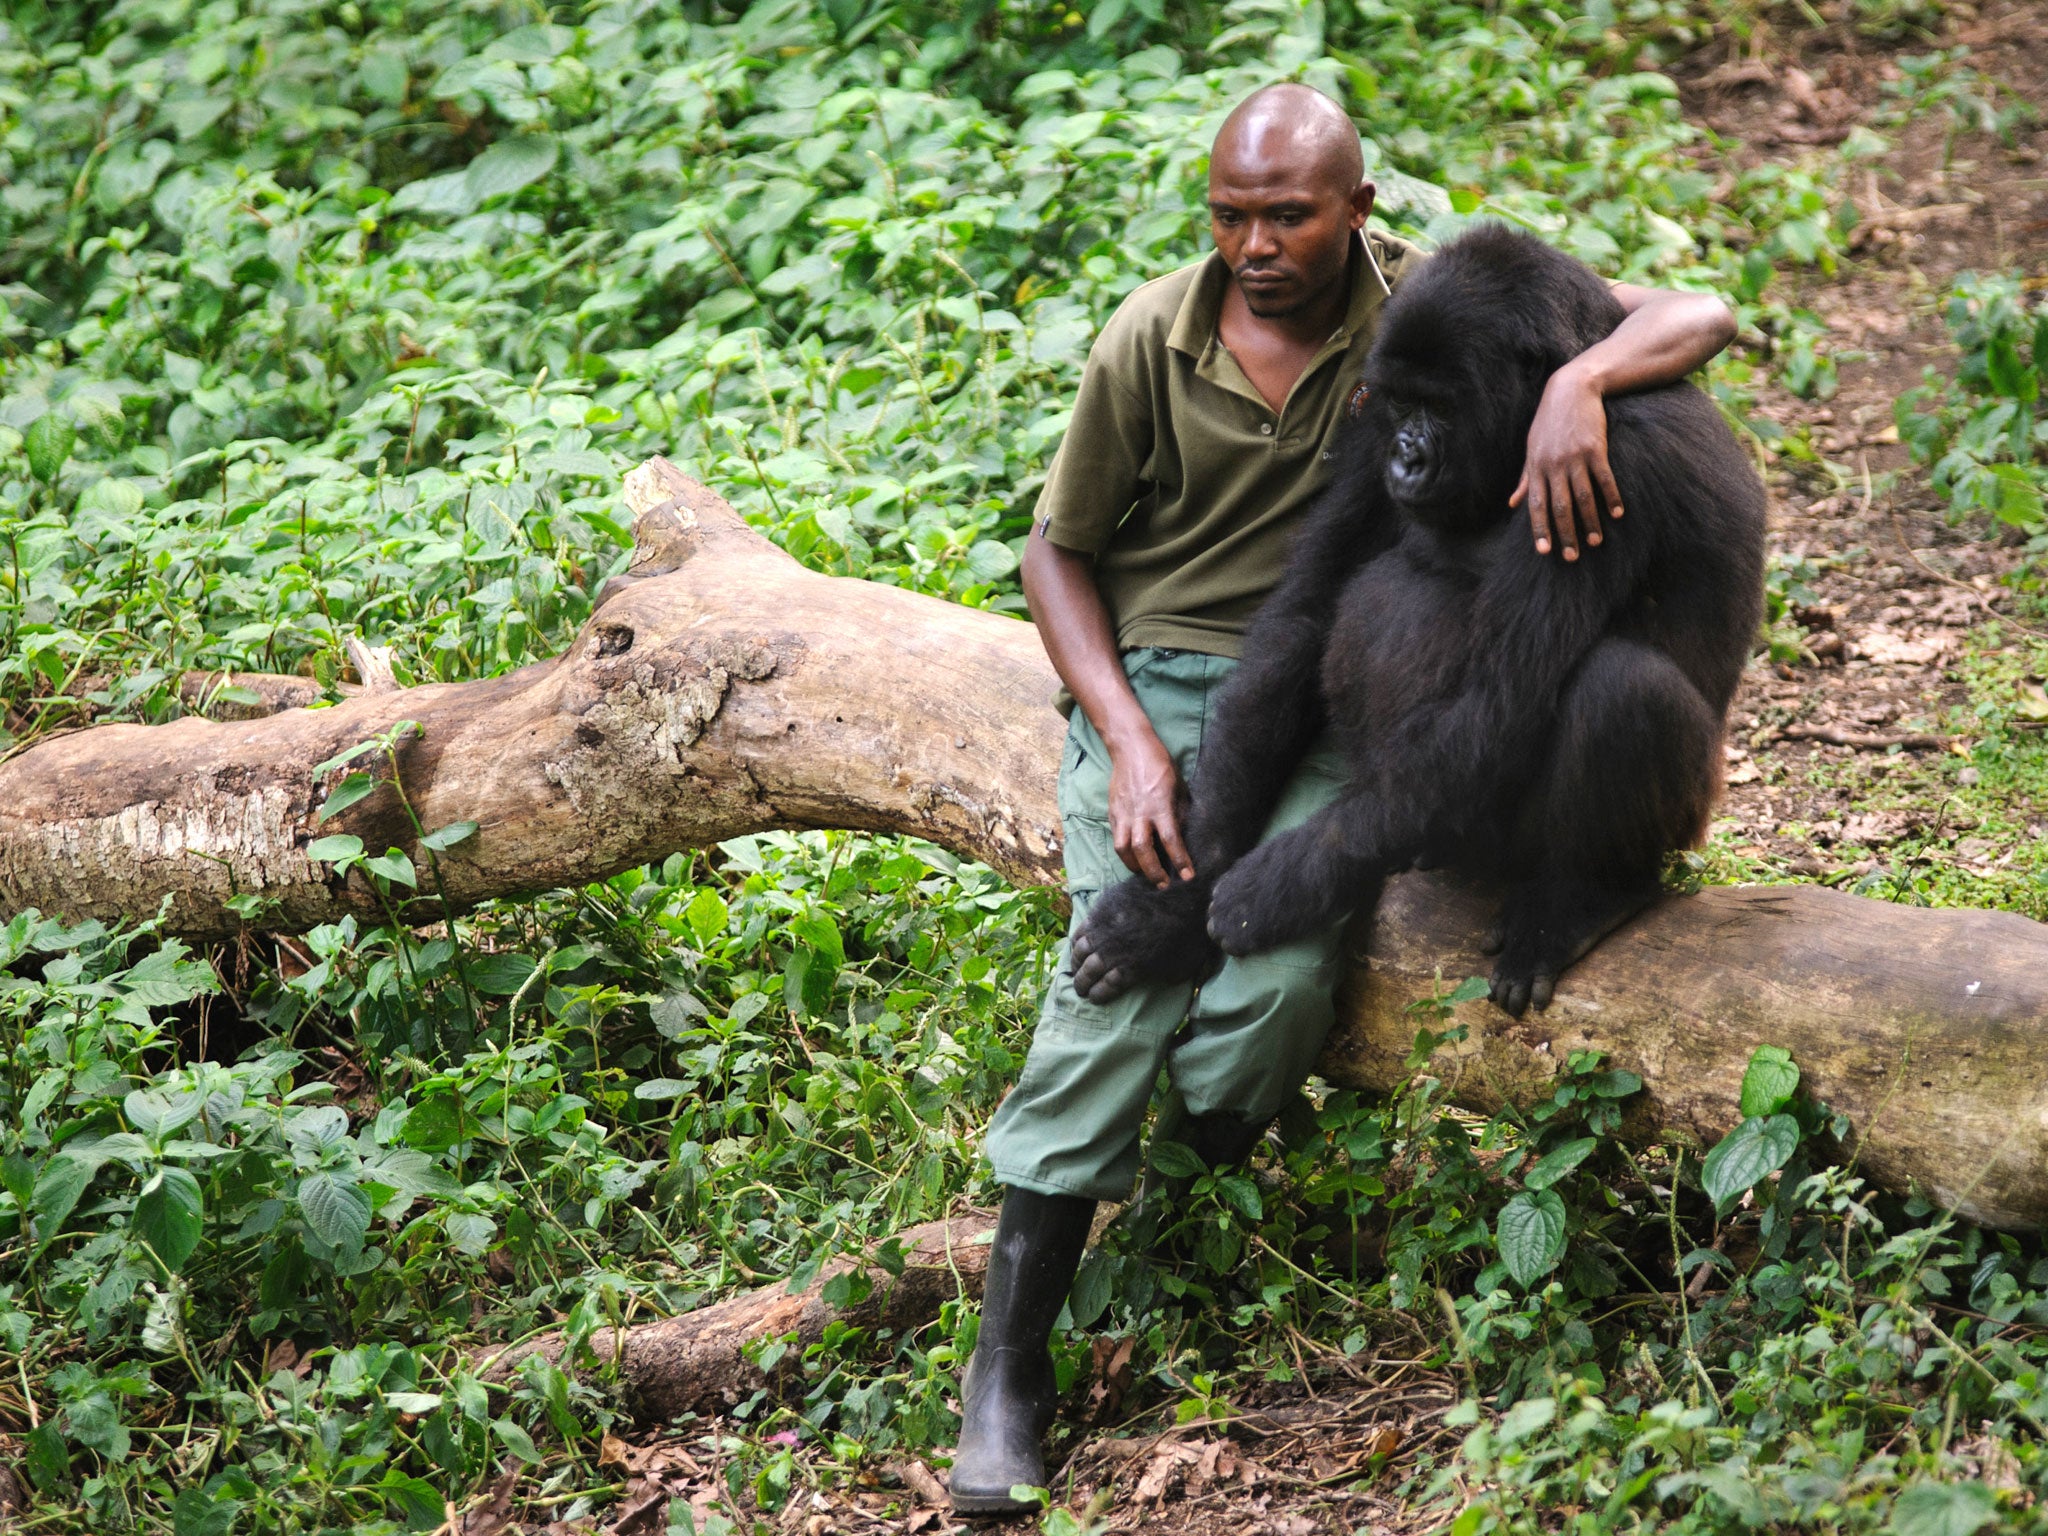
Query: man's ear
(1361,203)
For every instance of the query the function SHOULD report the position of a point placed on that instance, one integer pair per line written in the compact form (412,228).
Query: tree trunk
(720,689)
(697,1362)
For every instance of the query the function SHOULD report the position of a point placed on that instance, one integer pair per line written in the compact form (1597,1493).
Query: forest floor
(1836,761)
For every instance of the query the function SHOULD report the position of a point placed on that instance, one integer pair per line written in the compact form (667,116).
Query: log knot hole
(640,717)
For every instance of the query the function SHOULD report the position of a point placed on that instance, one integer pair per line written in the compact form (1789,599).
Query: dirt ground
(1898,590)
(1899,586)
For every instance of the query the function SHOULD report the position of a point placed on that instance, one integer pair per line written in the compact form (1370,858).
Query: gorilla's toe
(1510,993)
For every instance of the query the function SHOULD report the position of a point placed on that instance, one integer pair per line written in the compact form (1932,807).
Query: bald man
(1206,422)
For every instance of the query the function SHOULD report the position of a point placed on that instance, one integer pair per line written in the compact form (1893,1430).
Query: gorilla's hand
(1135,933)
(1263,901)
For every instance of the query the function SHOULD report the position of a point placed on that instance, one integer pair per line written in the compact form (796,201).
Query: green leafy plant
(1980,433)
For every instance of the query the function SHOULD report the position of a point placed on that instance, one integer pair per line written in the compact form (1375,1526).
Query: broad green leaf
(676,1012)
(1176,1161)
(1754,1150)
(508,165)
(346,755)
(501,975)
(47,442)
(335,850)
(345,794)
(707,916)
(1241,1194)
(435,1125)
(443,838)
(1530,1234)
(58,1186)
(1471,989)
(516,1440)
(195,1512)
(155,1112)
(1094,1287)
(169,1216)
(1943,1509)
(395,867)
(470,1231)
(336,1210)
(1769,1082)
(318,1128)
(1558,1162)
(658,1088)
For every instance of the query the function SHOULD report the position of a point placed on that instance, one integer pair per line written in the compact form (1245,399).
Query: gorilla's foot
(1545,927)
(1264,901)
(1136,933)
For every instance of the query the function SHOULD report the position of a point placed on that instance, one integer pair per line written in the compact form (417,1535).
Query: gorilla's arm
(1266,715)
(1438,771)
(1270,709)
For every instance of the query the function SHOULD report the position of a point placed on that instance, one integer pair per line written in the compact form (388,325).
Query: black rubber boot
(1009,1394)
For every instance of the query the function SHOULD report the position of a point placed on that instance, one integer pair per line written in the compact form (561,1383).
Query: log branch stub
(698,1362)
(720,688)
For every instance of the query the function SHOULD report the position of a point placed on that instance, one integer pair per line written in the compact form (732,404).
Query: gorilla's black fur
(1553,725)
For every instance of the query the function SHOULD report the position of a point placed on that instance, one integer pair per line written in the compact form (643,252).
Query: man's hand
(1144,810)
(1566,477)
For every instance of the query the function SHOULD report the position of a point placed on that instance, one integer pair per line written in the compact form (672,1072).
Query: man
(1205,424)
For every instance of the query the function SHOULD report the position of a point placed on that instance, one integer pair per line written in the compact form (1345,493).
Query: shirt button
(1266,428)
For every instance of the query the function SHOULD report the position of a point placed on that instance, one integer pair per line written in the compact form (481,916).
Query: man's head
(1287,191)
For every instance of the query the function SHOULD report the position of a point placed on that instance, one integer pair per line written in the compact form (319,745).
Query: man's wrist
(1127,731)
(1581,376)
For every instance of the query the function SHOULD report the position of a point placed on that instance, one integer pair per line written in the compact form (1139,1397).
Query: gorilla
(1554,728)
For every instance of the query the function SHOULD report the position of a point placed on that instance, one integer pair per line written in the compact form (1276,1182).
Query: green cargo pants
(1242,1042)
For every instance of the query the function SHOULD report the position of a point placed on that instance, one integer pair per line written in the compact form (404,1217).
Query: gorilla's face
(1451,440)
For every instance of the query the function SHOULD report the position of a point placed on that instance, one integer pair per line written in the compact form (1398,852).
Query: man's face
(1283,224)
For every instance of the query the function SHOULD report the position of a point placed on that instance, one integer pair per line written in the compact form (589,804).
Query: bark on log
(697,1362)
(722,689)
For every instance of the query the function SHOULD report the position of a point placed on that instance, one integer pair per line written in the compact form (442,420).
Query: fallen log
(700,1362)
(721,689)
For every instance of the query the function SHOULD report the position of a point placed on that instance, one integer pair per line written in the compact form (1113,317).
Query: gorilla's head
(1455,376)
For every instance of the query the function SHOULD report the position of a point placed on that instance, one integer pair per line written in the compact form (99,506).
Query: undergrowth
(333,320)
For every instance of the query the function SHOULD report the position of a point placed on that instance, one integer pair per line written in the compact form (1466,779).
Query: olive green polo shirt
(1175,473)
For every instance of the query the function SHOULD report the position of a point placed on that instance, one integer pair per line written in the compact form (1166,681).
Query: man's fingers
(1144,857)
(1560,499)
(1582,500)
(1609,491)
(1176,850)
(1539,514)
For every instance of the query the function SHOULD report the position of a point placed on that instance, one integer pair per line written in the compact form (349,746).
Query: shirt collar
(1194,327)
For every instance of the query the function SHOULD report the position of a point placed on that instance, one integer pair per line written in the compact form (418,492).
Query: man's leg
(1067,1135)
(1256,1027)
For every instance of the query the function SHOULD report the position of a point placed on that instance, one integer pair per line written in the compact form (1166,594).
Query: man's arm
(1144,786)
(1664,337)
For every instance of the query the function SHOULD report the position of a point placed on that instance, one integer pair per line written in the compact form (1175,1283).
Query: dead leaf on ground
(664,1458)
(1874,829)
(1112,1377)
(1993,1461)
(1888,647)
(494,1515)
(1167,1472)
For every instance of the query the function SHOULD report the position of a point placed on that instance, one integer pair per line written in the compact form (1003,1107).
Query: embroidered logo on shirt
(1355,406)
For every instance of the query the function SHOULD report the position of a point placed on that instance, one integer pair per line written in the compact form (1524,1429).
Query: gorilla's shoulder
(1501,283)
